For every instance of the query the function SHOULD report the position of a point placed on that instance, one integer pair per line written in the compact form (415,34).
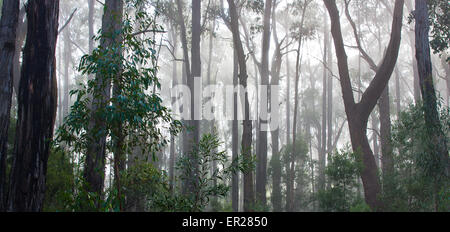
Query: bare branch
(68,21)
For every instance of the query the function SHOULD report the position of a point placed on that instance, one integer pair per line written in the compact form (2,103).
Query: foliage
(343,173)
(59,180)
(147,189)
(140,182)
(301,175)
(439,13)
(421,185)
(206,181)
(135,111)
(137,107)
(439,18)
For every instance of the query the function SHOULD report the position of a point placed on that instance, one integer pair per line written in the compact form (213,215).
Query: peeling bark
(37,108)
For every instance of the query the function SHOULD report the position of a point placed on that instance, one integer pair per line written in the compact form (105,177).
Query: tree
(96,147)
(439,148)
(384,110)
(249,196)
(37,108)
(358,113)
(261,168)
(8,25)
(291,166)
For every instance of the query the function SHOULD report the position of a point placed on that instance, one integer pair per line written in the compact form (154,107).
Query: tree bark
(432,121)
(96,148)
(261,169)
(8,25)
(275,134)
(249,194)
(37,108)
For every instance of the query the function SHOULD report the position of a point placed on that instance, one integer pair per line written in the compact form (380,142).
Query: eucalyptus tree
(8,25)
(97,130)
(300,36)
(383,105)
(358,113)
(249,195)
(438,145)
(37,103)
(261,167)
(133,115)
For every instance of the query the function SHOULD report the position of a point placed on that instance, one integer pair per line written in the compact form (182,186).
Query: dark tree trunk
(246,146)
(196,68)
(261,168)
(96,148)
(172,157)
(432,121)
(275,134)
(8,25)
(37,108)
(415,70)
(398,95)
(387,161)
(91,5)
(187,135)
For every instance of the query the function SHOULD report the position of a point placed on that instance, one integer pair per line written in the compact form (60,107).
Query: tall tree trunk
(275,134)
(398,93)
(96,148)
(8,25)
(261,168)
(434,129)
(37,108)
(91,5)
(235,137)
(415,70)
(187,135)
(249,195)
(330,146)
(322,153)
(67,61)
(196,68)
(291,163)
(174,83)
(387,160)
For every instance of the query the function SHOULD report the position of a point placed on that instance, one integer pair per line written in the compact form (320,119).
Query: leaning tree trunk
(37,108)
(8,24)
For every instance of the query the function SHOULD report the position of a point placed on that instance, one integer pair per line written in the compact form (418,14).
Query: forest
(224,106)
